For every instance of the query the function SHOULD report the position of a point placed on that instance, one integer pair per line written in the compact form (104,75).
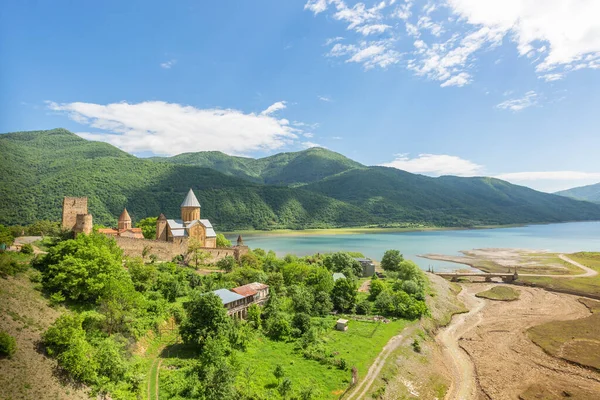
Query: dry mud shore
(491,357)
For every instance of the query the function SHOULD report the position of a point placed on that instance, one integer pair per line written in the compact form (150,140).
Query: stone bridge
(453,276)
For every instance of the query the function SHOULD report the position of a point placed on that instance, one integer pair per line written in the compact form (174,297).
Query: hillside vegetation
(588,193)
(315,188)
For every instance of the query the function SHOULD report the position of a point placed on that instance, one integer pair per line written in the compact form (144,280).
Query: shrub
(301,321)
(27,249)
(416,345)
(8,345)
(363,308)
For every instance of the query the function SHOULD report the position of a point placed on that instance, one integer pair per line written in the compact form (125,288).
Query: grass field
(502,293)
(575,341)
(359,346)
(583,286)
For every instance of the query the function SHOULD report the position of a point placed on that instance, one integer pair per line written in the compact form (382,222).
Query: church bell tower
(190,208)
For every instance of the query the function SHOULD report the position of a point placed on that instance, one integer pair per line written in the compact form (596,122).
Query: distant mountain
(588,193)
(314,188)
(392,194)
(300,167)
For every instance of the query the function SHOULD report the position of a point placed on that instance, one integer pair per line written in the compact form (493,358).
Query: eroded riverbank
(506,364)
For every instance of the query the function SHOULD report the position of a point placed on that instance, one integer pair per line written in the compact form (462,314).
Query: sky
(503,88)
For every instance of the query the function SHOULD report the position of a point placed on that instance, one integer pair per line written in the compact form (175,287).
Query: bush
(301,321)
(27,249)
(416,345)
(363,308)
(8,345)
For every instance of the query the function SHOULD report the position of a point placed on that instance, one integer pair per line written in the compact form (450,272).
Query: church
(190,226)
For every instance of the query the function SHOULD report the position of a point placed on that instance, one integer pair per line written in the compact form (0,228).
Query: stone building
(368,266)
(75,216)
(124,228)
(237,300)
(189,226)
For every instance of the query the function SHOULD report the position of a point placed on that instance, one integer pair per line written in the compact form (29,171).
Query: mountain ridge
(304,192)
(586,193)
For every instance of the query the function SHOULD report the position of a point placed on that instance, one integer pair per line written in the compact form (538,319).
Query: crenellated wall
(166,251)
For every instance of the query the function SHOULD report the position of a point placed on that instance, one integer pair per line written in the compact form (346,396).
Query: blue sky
(507,88)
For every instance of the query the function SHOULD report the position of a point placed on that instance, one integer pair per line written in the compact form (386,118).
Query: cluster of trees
(8,345)
(113,302)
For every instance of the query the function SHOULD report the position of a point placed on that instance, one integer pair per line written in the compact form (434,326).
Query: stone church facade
(173,236)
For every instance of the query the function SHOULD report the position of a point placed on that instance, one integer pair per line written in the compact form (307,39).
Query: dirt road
(360,390)
(504,361)
(588,271)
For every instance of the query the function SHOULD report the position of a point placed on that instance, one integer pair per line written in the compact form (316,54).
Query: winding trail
(360,390)
(588,271)
(464,377)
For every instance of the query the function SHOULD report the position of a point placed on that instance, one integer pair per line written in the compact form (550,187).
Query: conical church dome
(125,216)
(190,200)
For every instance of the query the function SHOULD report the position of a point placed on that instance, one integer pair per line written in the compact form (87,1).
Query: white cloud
(369,54)
(552,77)
(436,165)
(312,144)
(168,64)
(308,134)
(549,175)
(316,6)
(370,29)
(337,138)
(280,105)
(169,128)
(560,36)
(530,99)
(333,40)
(325,99)
(551,181)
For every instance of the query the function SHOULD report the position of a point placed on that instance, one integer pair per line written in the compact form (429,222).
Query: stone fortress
(173,236)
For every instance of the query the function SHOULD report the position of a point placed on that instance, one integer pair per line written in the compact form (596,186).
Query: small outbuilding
(341,325)
(338,275)
(368,267)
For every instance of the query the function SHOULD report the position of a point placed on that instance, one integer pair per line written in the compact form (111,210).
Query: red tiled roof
(250,289)
(108,231)
(244,291)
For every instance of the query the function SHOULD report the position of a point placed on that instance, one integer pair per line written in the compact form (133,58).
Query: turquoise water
(567,237)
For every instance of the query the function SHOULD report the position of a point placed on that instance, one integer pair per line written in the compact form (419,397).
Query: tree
(278,327)
(206,317)
(80,268)
(148,226)
(27,249)
(222,241)
(340,261)
(120,303)
(377,286)
(408,270)
(322,304)
(227,263)
(44,228)
(8,345)
(344,295)
(253,315)
(213,375)
(391,260)
(195,252)
(302,298)
(301,322)
(285,387)
(110,360)
(275,282)
(6,237)
(250,260)
(278,372)
(320,280)
(363,307)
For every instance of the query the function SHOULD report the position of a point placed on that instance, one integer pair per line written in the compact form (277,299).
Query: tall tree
(206,317)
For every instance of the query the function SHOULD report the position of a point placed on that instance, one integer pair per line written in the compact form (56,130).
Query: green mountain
(587,193)
(392,194)
(301,167)
(315,188)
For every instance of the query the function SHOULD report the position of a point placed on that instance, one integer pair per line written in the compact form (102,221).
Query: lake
(565,237)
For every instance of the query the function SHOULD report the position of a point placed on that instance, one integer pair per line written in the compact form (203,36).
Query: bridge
(453,276)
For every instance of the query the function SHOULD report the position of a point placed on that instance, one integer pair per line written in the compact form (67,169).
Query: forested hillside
(301,167)
(588,193)
(324,189)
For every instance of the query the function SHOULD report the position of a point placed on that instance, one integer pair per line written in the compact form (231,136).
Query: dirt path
(360,390)
(588,271)
(365,286)
(464,378)
(504,363)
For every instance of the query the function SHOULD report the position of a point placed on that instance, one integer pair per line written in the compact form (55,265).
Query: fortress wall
(72,206)
(166,251)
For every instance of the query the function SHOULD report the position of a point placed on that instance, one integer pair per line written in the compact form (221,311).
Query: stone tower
(124,220)
(73,206)
(161,228)
(83,224)
(190,208)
